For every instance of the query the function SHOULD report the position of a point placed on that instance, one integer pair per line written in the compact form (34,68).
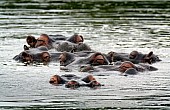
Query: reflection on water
(120,26)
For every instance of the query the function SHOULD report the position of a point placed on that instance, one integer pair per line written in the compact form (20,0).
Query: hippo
(70,81)
(39,54)
(96,58)
(76,39)
(135,57)
(74,43)
(43,40)
(126,68)
(149,58)
(71,62)
(71,47)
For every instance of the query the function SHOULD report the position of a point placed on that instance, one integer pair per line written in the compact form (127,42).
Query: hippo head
(43,40)
(56,79)
(150,58)
(72,84)
(98,59)
(81,47)
(88,78)
(45,57)
(66,58)
(26,58)
(76,39)
(133,54)
(110,56)
(126,65)
(65,46)
(144,58)
(91,81)
(31,57)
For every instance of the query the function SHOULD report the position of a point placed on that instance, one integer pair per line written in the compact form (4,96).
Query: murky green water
(120,26)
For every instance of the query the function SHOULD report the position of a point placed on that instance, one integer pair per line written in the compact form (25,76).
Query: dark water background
(118,25)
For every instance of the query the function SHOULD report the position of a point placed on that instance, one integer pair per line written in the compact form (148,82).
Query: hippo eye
(132,55)
(51,81)
(98,60)
(40,40)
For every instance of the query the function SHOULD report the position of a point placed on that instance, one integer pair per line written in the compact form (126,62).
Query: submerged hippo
(43,40)
(76,39)
(71,47)
(96,58)
(135,57)
(74,43)
(149,58)
(71,81)
(126,67)
(39,54)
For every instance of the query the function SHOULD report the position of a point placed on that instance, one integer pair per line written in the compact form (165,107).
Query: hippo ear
(148,58)
(150,54)
(111,54)
(82,38)
(25,47)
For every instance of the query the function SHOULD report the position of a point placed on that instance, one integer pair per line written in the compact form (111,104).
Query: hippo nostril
(51,82)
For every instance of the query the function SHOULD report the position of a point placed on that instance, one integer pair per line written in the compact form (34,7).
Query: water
(117,25)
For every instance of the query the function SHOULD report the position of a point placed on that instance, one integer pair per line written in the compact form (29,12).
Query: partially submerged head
(88,78)
(45,57)
(133,54)
(76,39)
(97,59)
(66,58)
(56,79)
(43,40)
(72,84)
(62,58)
(26,57)
(125,66)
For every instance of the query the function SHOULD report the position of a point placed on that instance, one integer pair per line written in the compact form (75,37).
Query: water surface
(118,25)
